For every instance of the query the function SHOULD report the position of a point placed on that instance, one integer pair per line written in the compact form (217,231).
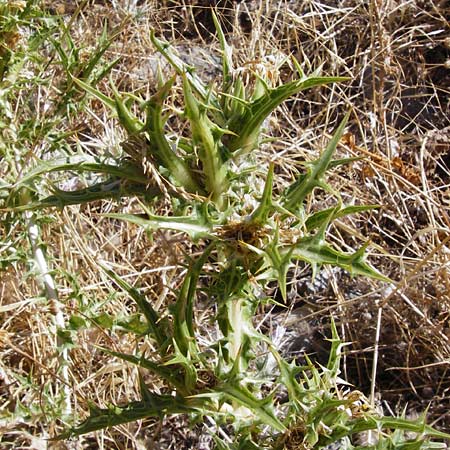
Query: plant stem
(55,305)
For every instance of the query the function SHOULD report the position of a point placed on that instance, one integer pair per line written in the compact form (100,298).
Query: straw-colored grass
(397,55)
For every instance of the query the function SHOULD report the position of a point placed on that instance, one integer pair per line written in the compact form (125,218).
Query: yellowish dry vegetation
(396,54)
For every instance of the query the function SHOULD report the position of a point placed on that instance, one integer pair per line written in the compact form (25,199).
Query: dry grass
(397,55)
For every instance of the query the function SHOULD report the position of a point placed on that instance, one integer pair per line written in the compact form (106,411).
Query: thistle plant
(246,246)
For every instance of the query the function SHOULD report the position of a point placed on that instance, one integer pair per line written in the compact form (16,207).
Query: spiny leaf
(227,52)
(261,213)
(379,423)
(187,224)
(298,67)
(82,163)
(280,262)
(207,144)
(318,239)
(288,377)
(182,68)
(96,93)
(104,42)
(343,161)
(316,220)
(261,87)
(187,362)
(318,254)
(154,405)
(159,146)
(334,358)
(248,126)
(245,443)
(144,390)
(111,189)
(131,124)
(234,102)
(297,192)
(153,319)
(242,396)
(184,308)
(159,369)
